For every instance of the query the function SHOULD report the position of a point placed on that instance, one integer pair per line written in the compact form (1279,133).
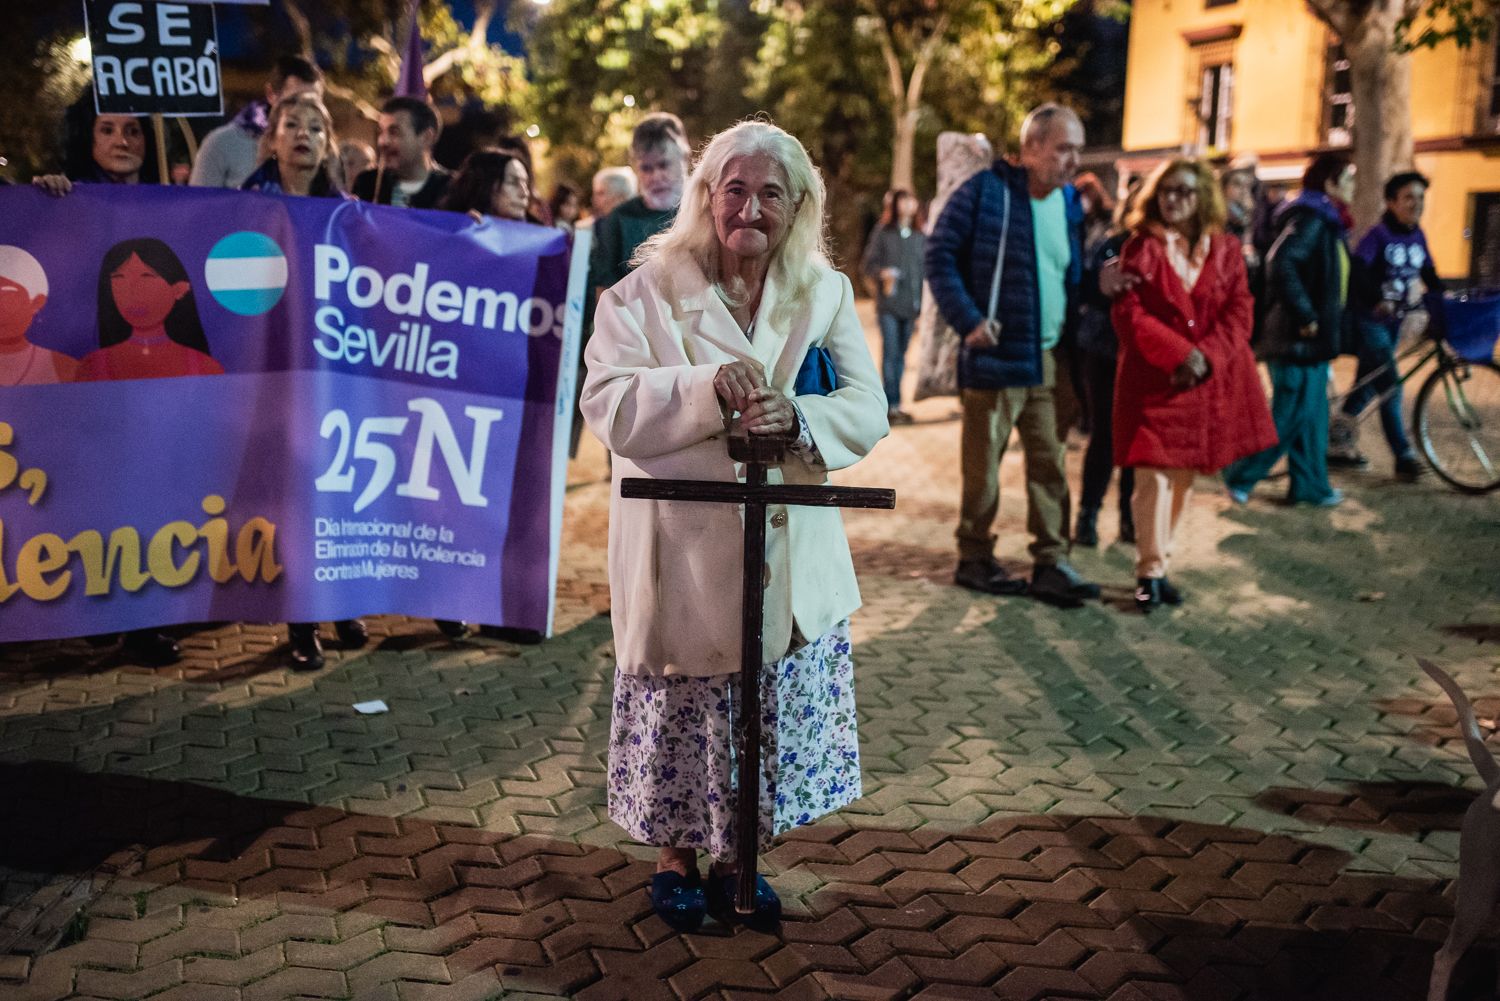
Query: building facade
(1266,77)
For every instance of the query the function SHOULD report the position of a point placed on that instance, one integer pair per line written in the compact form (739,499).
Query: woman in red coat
(1188,398)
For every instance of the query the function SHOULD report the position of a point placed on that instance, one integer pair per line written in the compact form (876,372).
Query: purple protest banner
(222,405)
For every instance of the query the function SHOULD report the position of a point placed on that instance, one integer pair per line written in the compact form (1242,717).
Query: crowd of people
(282,143)
(713,290)
(1153,314)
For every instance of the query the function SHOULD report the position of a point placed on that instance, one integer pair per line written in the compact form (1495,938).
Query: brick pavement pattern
(1256,796)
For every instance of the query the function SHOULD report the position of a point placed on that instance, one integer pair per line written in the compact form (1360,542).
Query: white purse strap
(1000,257)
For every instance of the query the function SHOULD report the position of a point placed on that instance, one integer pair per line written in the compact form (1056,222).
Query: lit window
(1338,111)
(1215,101)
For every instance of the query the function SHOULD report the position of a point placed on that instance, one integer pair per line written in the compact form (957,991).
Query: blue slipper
(721,893)
(678,900)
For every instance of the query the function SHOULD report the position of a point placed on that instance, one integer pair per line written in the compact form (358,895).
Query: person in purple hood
(230,153)
(1398,276)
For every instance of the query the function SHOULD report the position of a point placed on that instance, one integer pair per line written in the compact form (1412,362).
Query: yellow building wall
(1456,176)
(1279,60)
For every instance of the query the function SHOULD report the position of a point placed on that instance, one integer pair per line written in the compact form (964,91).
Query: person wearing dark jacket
(1398,273)
(407,175)
(893,260)
(1307,288)
(1097,350)
(1003,263)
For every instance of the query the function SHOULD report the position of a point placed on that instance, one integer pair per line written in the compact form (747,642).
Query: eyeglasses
(1177,191)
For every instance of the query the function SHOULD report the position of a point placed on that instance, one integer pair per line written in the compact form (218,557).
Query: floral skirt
(672,767)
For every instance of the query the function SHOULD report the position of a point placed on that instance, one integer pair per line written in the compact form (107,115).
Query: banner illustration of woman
(23,293)
(148,320)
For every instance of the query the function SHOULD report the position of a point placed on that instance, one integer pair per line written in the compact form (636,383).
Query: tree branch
(301,25)
(924,59)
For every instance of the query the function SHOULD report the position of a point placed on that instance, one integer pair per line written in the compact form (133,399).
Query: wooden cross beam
(757,453)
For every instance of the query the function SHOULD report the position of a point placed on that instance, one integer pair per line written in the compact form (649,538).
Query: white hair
(23,269)
(802,255)
(618,180)
(1038,124)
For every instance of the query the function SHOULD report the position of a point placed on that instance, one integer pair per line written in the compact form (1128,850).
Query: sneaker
(1169,593)
(988,577)
(1343,435)
(1059,584)
(1408,469)
(1332,499)
(1237,496)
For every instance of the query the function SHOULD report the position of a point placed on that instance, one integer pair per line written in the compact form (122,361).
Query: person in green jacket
(1307,285)
(659,157)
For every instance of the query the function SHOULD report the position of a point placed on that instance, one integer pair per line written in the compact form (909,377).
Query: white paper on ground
(371,708)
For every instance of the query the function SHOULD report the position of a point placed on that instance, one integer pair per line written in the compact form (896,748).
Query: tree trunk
(903,148)
(1380,78)
(1381,81)
(906,98)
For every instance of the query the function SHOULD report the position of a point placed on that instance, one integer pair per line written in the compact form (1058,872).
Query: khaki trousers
(1160,497)
(988,417)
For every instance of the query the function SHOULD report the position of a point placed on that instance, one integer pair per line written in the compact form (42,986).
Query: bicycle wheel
(1456,421)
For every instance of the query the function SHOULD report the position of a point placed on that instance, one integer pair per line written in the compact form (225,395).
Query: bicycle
(1456,415)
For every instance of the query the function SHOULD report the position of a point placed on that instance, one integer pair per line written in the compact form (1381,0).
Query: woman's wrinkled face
(142,296)
(301,138)
(513,194)
(119,144)
(752,206)
(1177,199)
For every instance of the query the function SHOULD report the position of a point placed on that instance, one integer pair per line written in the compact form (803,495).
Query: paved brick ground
(1256,796)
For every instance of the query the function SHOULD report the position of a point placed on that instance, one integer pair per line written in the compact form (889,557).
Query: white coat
(675,568)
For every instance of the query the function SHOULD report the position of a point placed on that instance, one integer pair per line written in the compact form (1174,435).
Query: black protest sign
(154,58)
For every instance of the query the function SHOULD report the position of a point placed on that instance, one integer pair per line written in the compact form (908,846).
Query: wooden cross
(757,452)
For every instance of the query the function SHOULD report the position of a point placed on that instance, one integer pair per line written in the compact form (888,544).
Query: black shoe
(678,900)
(150,648)
(721,894)
(1348,460)
(987,576)
(512,634)
(1127,528)
(1409,470)
(1148,594)
(307,648)
(352,633)
(1169,593)
(1059,584)
(452,628)
(1086,530)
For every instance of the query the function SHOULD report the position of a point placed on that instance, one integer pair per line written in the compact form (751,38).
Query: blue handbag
(816,377)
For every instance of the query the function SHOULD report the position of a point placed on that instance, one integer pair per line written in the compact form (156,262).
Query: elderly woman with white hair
(717,321)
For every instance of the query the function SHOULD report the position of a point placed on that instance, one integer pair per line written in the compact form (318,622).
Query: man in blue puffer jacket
(1008,368)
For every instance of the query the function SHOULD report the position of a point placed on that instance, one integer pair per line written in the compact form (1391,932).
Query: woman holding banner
(298,158)
(102,149)
(297,150)
(716,321)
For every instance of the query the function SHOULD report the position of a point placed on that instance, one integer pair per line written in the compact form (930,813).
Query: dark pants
(895,335)
(1376,376)
(1299,408)
(1099,460)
